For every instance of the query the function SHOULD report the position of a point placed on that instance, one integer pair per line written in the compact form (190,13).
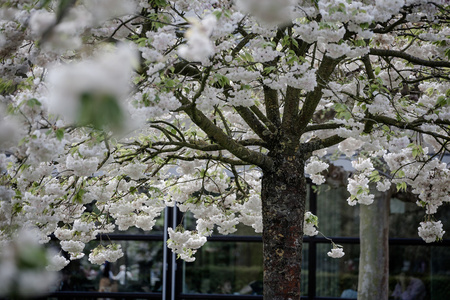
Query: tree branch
(204,146)
(322,127)
(243,153)
(227,160)
(253,122)
(320,144)
(412,126)
(410,58)
(290,112)
(263,118)
(312,99)
(272,106)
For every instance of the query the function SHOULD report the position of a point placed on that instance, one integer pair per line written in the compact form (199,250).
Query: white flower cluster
(358,185)
(336,251)
(73,240)
(431,231)
(349,146)
(43,148)
(185,243)
(261,51)
(57,263)
(108,73)
(299,76)
(309,224)
(250,212)
(314,168)
(431,183)
(109,253)
(134,210)
(74,248)
(81,166)
(23,263)
(199,47)
(268,12)
(135,171)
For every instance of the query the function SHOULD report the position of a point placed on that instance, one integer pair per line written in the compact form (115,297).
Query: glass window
(406,216)
(337,277)
(225,268)
(419,272)
(230,268)
(139,270)
(336,217)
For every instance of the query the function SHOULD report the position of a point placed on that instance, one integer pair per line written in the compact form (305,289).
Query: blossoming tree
(220,108)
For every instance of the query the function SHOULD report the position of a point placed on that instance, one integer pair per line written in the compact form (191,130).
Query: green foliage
(342,111)
(33,102)
(401,186)
(100,111)
(78,197)
(417,150)
(443,101)
(221,80)
(158,3)
(59,134)
(6,86)
(32,257)
(375,176)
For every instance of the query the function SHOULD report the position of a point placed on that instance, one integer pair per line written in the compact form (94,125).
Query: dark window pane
(139,270)
(407,212)
(419,272)
(336,217)
(225,268)
(337,277)
(229,268)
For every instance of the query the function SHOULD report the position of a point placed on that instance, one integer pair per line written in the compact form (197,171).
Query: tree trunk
(373,281)
(283,203)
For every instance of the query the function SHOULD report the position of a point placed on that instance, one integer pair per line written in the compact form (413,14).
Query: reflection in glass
(228,268)
(338,218)
(225,268)
(139,270)
(406,211)
(419,272)
(337,277)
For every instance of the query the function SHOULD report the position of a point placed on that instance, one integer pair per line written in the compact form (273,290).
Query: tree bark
(283,203)
(373,281)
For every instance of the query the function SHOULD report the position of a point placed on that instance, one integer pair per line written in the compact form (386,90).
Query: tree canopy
(112,110)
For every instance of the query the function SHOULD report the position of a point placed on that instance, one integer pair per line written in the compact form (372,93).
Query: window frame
(173,268)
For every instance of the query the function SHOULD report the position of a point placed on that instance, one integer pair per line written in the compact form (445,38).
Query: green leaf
(32,257)
(100,111)
(377,70)
(78,197)
(268,70)
(217,13)
(133,190)
(401,186)
(442,101)
(59,134)
(6,87)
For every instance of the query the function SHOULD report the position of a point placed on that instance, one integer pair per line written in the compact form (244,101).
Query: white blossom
(309,224)
(199,47)
(336,252)
(111,253)
(57,263)
(431,231)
